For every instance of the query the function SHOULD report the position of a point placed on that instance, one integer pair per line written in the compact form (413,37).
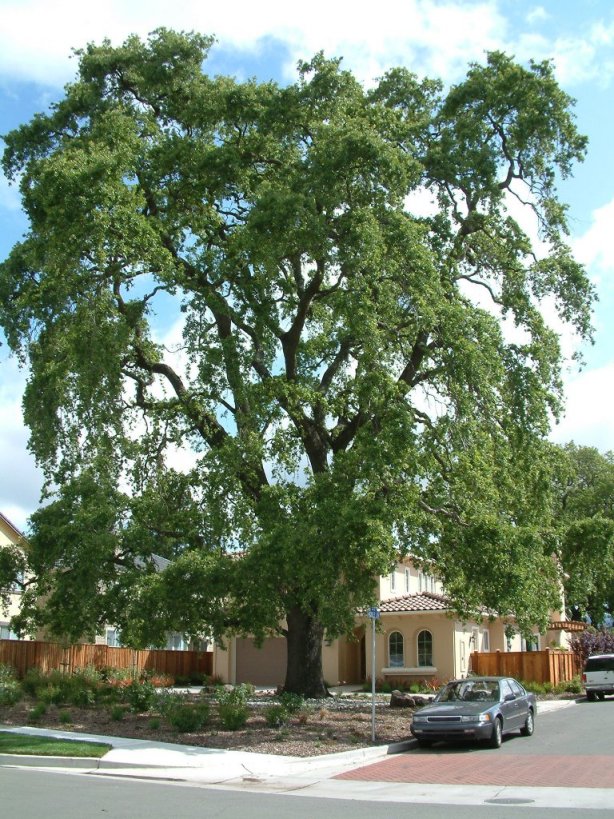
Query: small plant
(232,716)
(154,723)
(65,717)
(233,706)
(117,713)
(276,716)
(10,690)
(140,696)
(189,718)
(49,694)
(36,713)
(291,702)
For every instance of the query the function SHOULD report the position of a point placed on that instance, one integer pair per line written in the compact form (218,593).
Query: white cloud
(588,419)
(20,480)
(595,247)
(433,36)
(537,15)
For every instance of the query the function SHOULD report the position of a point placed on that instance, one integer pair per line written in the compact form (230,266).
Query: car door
(522,703)
(509,707)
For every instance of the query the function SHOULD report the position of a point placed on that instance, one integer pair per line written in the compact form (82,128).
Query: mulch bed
(330,726)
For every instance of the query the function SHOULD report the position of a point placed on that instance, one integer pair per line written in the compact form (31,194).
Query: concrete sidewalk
(207,766)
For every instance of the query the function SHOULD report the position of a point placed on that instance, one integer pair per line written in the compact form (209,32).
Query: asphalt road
(580,739)
(34,794)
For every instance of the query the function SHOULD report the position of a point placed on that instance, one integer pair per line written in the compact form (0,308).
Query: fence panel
(533,666)
(25,654)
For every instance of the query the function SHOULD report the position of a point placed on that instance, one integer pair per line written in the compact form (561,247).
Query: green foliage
(232,705)
(65,717)
(10,689)
(140,696)
(233,716)
(36,713)
(292,702)
(342,393)
(117,713)
(584,525)
(276,715)
(189,718)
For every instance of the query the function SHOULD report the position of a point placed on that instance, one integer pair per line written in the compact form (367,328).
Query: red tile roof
(427,601)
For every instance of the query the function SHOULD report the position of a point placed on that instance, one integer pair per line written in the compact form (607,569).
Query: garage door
(262,666)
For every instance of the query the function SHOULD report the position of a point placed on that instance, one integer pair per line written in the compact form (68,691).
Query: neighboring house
(418,637)
(9,536)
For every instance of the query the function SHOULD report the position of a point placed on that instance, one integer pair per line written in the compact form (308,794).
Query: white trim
(425,669)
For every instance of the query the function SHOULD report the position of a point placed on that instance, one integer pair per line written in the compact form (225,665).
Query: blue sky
(266,39)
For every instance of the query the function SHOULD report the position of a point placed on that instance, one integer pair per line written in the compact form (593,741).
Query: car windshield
(470,691)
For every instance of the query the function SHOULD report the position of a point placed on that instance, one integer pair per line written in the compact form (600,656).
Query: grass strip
(11,743)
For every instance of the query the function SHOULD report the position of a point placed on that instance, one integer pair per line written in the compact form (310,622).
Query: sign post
(374,615)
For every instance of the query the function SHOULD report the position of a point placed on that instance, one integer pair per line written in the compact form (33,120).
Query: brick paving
(508,769)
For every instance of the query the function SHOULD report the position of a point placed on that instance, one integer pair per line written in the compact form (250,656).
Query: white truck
(598,676)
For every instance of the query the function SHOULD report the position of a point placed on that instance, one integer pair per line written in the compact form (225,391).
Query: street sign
(373,613)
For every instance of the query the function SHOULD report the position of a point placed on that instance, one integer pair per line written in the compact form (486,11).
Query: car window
(470,691)
(505,689)
(517,688)
(600,663)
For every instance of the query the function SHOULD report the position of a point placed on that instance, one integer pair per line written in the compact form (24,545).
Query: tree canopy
(250,350)
(584,519)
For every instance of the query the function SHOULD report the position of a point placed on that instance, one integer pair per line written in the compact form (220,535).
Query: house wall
(9,536)
(407,579)
(409,626)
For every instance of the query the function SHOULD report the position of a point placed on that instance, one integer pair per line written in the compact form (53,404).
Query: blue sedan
(480,708)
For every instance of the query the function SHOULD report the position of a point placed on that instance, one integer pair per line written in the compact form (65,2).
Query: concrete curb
(29,761)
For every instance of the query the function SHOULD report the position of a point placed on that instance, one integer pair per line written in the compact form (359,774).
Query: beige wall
(9,535)
(406,579)
(410,625)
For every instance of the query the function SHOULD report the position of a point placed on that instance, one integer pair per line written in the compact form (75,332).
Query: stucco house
(418,637)
(9,536)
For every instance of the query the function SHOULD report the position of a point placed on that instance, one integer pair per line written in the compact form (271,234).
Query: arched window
(425,648)
(395,650)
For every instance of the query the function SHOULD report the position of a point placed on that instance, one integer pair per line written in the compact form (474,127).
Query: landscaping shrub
(65,717)
(232,716)
(592,641)
(10,690)
(49,694)
(117,713)
(37,712)
(276,716)
(140,696)
(291,702)
(189,718)
(233,705)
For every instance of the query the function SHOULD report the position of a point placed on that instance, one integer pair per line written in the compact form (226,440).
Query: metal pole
(373,680)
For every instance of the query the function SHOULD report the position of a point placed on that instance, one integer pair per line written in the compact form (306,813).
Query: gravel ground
(324,727)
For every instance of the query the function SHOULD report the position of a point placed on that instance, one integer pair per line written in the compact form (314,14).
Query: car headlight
(476,718)
(419,720)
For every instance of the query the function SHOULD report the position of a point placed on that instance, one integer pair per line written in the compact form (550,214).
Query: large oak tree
(342,387)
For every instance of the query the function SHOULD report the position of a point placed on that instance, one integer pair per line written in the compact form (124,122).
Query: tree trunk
(304,674)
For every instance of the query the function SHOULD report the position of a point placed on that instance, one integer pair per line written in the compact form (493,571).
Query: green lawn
(48,746)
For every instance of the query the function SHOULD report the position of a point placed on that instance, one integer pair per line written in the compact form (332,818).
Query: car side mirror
(509,697)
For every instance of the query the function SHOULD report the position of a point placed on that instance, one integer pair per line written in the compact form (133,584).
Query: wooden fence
(550,665)
(24,654)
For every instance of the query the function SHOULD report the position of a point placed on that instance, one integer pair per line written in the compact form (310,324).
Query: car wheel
(601,695)
(529,726)
(497,734)
(591,696)
(425,743)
